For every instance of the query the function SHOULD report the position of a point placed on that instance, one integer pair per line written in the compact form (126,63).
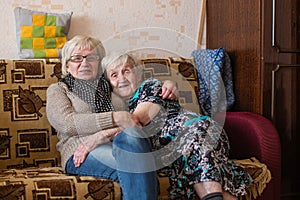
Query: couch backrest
(26,137)
(29,139)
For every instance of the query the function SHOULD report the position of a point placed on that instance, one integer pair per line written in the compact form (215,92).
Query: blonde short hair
(83,42)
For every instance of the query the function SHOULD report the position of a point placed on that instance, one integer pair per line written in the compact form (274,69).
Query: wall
(168,26)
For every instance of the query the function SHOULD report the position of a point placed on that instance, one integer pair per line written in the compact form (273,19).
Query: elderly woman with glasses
(80,108)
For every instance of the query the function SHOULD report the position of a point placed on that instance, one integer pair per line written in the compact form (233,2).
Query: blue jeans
(127,160)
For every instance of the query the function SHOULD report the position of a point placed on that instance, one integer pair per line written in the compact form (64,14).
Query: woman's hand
(80,154)
(146,111)
(91,142)
(124,119)
(169,90)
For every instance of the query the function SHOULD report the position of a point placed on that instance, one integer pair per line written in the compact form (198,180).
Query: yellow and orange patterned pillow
(41,34)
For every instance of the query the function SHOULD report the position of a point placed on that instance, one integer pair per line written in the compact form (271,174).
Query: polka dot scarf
(96,93)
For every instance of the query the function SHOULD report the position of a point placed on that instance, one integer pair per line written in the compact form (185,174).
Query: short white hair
(115,58)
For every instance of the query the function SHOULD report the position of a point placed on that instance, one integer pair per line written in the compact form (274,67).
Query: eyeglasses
(79,58)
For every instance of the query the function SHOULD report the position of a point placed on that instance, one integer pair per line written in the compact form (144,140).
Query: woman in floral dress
(190,148)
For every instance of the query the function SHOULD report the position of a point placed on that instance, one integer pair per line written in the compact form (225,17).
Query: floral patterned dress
(194,147)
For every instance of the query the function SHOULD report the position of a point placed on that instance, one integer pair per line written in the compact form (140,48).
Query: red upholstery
(252,135)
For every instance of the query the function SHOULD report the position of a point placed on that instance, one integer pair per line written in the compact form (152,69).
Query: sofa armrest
(252,135)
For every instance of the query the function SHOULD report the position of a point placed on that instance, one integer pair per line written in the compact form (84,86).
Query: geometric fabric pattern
(51,183)
(180,70)
(28,140)
(214,80)
(41,34)
(29,162)
(26,137)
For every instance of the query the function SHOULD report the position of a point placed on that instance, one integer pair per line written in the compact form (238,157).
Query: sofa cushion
(41,34)
(52,183)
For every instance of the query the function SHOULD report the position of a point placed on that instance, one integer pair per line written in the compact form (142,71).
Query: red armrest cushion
(252,135)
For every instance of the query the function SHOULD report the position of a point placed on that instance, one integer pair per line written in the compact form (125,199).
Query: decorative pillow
(41,34)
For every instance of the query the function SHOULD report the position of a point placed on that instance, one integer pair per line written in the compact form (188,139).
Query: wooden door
(262,38)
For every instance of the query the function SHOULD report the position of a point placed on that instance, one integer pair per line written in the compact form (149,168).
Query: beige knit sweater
(72,118)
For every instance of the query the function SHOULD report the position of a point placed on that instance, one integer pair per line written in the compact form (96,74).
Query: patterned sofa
(29,162)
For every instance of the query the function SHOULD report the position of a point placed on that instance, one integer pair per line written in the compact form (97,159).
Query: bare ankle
(213,196)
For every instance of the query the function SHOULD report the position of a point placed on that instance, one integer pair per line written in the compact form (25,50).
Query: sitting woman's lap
(98,163)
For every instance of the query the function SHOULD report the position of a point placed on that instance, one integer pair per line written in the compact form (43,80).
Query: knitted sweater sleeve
(69,115)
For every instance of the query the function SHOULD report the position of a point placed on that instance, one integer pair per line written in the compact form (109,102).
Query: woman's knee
(132,139)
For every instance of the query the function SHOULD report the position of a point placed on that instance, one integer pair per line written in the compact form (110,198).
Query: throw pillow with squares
(41,34)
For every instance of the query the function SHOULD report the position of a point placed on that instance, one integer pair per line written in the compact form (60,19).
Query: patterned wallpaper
(159,27)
